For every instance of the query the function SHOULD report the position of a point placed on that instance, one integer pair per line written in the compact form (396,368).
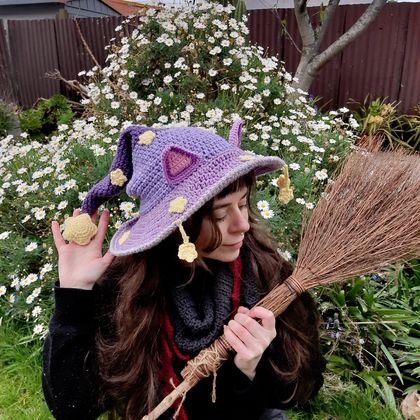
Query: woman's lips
(236,245)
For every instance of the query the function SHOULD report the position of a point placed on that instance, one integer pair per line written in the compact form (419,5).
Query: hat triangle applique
(178,163)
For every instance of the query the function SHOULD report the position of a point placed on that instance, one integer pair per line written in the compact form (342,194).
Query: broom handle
(212,357)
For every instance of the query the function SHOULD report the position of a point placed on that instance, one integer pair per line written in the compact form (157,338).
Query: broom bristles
(368,217)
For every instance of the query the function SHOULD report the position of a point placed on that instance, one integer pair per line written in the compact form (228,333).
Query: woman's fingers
(234,341)
(267,317)
(58,239)
(102,226)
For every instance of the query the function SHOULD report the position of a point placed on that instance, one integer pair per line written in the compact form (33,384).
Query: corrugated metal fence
(383,61)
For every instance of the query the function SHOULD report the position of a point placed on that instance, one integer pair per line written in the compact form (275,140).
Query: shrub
(46,116)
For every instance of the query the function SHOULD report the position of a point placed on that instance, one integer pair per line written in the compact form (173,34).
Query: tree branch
(303,20)
(328,13)
(338,45)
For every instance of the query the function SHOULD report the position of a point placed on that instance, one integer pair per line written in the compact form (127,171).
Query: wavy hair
(132,300)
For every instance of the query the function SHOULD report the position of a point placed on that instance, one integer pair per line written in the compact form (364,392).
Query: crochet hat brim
(148,229)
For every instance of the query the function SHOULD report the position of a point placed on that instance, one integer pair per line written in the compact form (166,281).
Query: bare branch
(361,24)
(72,84)
(86,44)
(325,22)
(303,20)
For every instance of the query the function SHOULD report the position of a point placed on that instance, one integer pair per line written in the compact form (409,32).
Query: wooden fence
(383,61)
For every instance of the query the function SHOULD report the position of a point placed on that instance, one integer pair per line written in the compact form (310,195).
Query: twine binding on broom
(368,217)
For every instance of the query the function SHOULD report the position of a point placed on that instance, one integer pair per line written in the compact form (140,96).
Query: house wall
(30,11)
(89,8)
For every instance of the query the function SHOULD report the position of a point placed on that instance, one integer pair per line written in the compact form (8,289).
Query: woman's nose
(240,222)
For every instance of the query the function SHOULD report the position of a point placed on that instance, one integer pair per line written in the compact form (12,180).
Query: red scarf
(170,351)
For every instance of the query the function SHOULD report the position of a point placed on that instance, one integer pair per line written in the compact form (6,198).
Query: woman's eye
(220,218)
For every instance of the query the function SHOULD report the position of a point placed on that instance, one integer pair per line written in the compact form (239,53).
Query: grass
(21,395)
(345,401)
(20,380)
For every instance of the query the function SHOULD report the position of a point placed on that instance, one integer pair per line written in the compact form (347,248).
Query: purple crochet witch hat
(173,172)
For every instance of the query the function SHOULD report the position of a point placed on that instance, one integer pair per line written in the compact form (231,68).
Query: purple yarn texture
(189,163)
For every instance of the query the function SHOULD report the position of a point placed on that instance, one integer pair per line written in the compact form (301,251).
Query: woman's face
(231,216)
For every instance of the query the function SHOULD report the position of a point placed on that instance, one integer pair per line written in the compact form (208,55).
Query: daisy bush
(170,67)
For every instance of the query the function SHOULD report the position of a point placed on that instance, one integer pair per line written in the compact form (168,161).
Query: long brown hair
(133,300)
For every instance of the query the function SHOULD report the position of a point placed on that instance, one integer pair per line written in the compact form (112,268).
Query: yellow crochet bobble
(118,177)
(124,237)
(79,229)
(186,251)
(246,157)
(286,192)
(177,205)
(147,137)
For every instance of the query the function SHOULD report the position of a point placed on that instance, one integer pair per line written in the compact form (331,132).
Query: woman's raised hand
(80,266)
(249,338)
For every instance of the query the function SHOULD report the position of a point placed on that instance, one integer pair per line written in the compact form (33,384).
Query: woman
(124,328)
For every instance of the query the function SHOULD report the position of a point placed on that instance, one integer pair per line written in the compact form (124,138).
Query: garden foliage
(170,67)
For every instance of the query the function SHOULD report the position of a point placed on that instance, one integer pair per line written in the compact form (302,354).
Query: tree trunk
(312,60)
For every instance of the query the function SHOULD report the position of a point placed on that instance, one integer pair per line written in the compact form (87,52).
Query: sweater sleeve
(69,379)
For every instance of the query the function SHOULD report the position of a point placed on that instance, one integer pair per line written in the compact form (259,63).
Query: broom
(368,216)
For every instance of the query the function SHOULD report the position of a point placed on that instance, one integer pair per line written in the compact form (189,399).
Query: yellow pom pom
(147,137)
(124,237)
(246,157)
(187,252)
(286,192)
(79,229)
(177,205)
(118,178)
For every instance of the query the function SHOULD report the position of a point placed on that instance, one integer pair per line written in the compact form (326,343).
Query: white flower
(2,290)
(294,166)
(227,61)
(31,247)
(39,329)
(4,235)
(163,119)
(62,205)
(59,190)
(45,269)
(29,279)
(36,311)
(115,105)
(263,205)
(39,214)
(82,195)
(267,214)
(321,175)
(200,95)
(309,206)
(157,100)
(167,79)
(215,50)
(300,201)
(285,254)
(212,72)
